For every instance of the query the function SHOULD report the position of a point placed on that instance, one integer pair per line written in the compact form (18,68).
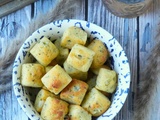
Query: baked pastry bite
(106,80)
(76,112)
(44,51)
(52,63)
(41,98)
(73,35)
(96,70)
(54,109)
(56,79)
(31,74)
(95,102)
(80,57)
(63,52)
(91,82)
(44,87)
(108,95)
(74,73)
(101,53)
(48,68)
(74,92)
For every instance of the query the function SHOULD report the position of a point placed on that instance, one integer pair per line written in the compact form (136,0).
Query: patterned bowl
(118,60)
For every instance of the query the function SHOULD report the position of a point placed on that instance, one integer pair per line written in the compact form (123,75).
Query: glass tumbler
(127,8)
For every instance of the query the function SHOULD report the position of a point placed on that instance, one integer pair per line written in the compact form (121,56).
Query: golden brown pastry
(80,57)
(76,112)
(95,102)
(106,80)
(54,109)
(41,98)
(73,35)
(96,70)
(44,51)
(74,73)
(48,68)
(63,52)
(74,92)
(91,82)
(101,53)
(53,63)
(56,79)
(32,74)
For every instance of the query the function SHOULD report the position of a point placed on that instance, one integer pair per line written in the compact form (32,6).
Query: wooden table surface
(136,35)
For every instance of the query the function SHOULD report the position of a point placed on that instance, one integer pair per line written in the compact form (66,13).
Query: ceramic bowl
(118,60)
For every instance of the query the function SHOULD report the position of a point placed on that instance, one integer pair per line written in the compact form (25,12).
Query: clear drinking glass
(127,8)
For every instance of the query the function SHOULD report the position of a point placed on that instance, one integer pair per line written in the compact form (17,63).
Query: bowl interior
(54,30)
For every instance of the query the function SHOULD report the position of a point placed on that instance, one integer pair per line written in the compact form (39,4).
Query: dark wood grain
(3,2)
(13,5)
(149,31)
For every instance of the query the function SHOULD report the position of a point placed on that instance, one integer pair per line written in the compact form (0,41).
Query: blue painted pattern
(58,23)
(78,24)
(27,45)
(88,24)
(24,54)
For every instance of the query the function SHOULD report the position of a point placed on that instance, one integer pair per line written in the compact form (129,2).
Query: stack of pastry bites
(73,76)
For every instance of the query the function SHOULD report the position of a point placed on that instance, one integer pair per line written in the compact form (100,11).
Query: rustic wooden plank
(13,6)
(80,11)
(12,22)
(149,29)
(42,6)
(10,109)
(125,31)
(5,106)
(3,2)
